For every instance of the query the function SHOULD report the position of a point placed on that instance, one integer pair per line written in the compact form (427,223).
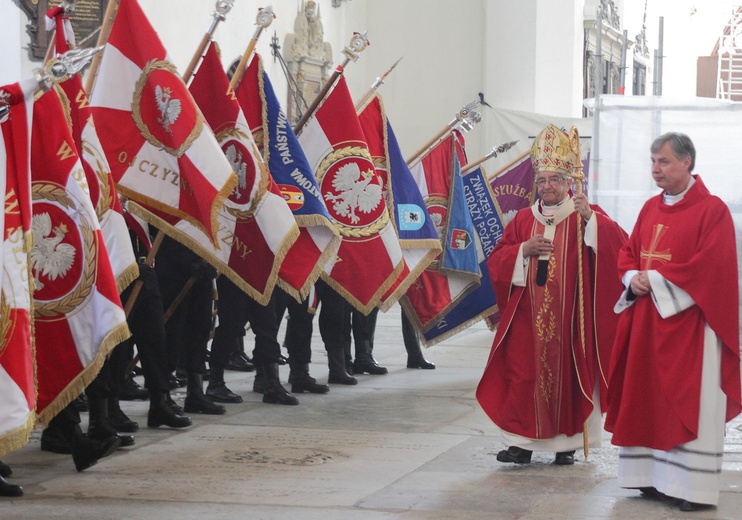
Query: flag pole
(219,14)
(105,32)
(579,177)
(465,118)
(379,82)
(358,43)
(263,20)
(493,153)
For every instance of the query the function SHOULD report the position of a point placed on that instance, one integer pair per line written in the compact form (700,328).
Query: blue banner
(488,226)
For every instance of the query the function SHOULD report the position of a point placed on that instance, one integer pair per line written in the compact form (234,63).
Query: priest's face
(670,173)
(552,187)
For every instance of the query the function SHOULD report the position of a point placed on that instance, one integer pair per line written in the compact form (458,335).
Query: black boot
(98,426)
(196,401)
(217,389)
(118,419)
(161,413)
(258,384)
(9,490)
(338,374)
(415,358)
(86,452)
(275,393)
(348,359)
(54,440)
(238,361)
(365,362)
(5,470)
(302,382)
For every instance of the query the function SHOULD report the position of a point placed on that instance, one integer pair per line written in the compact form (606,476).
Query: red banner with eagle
(17,383)
(97,171)
(162,153)
(78,317)
(369,260)
(256,226)
(319,239)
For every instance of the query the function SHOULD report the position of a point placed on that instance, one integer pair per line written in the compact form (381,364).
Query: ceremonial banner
(97,171)
(415,229)
(369,260)
(78,315)
(17,377)
(161,153)
(319,239)
(456,272)
(514,187)
(256,226)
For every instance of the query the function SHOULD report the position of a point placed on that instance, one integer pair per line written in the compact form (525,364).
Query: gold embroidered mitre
(552,152)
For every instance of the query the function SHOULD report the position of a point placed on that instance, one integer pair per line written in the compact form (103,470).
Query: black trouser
(364,327)
(409,334)
(334,317)
(187,330)
(299,326)
(148,332)
(235,310)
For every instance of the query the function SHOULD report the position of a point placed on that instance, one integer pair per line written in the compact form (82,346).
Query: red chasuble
(540,376)
(655,376)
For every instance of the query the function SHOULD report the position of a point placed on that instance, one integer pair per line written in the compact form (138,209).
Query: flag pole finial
(63,66)
(358,43)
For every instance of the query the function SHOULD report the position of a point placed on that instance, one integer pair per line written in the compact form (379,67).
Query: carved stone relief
(88,17)
(308,58)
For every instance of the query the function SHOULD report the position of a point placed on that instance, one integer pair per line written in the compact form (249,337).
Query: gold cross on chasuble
(647,257)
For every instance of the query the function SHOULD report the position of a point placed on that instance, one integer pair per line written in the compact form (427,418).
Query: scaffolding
(729,55)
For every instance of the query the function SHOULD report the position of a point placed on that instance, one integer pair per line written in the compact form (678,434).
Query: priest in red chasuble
(675,368)
(554,275)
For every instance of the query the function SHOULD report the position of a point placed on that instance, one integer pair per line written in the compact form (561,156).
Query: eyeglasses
(553,181)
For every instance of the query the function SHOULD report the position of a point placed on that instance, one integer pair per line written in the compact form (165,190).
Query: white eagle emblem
(169,108)
(437,219)
(354,193)
(48,255)
(507,217)
(240,168)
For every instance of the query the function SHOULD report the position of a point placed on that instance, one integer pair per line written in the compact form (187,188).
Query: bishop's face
(552,187)
(670,173)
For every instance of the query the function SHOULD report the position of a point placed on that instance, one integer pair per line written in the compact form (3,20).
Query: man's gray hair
(680,144)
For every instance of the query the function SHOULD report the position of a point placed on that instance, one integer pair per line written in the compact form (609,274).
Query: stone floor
(412,444)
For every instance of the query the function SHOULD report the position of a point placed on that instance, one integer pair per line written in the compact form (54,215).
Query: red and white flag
(319,239)
(97,171)
(17,377)
(416,232)
(256,226)
(443,285)
(78,317)
(162,153)
(369,260)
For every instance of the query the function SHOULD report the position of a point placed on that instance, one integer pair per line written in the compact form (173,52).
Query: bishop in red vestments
(675,371)
(547,370)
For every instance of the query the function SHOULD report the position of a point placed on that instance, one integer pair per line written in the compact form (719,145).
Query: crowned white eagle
(354,192)
(234,157)
(49,256)
(169,108)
